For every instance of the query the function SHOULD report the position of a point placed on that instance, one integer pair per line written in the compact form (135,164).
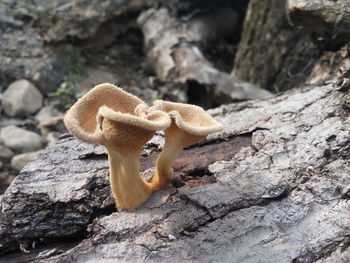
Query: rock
(3,182)
(24,55)
(5,153)
(54,123)
(24,52)
(1,165)
(20,160)
(19,139)
(46,113)
(17,122)
(21,98)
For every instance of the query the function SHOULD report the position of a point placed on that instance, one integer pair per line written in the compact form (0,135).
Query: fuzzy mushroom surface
(190,124)
(109,116)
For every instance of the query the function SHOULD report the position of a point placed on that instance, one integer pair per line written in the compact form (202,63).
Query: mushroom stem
(128,188)
(175,141)
(166,158)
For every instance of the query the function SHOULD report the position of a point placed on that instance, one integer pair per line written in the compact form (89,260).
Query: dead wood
(272,54)
(273,186)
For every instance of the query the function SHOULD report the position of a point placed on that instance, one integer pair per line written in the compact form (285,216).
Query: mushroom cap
(90,119)
(127,133)
(189,118)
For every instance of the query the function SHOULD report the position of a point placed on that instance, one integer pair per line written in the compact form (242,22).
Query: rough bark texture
(173,50)
(272,187)
(272,54)
(330,16)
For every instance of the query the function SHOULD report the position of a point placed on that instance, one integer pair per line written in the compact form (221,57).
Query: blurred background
(202,52)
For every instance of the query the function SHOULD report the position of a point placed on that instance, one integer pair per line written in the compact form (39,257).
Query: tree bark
(272,54)
(331,17)
(272,187)
(173,50)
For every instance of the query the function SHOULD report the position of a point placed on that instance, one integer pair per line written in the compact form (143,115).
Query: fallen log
(332,17)
(173,50)
(273,186)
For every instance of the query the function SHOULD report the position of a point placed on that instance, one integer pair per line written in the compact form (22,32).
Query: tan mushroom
(190,124)
(109,116)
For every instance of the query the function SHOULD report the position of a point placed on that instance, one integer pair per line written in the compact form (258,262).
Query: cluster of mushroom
(123,123)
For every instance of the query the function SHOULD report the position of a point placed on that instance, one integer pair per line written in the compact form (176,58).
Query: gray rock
(5,154)
(20,160)
(21,98)
(1,165)
(46,113)
(19,139)
(23,55)
(16,122)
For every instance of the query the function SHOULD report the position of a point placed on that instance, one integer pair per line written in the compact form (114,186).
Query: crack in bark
(324,252)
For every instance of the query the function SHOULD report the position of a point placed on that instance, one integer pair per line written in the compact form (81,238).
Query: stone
(1,165)
(24,55)
(21,98)
(54,123)
(17,122)
(19,139)
(5,153)
(20,160)
(46,113)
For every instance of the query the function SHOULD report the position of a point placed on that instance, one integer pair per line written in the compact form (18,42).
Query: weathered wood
(332,17)
(173,50)
(297,142)
(272,54)
(48,209)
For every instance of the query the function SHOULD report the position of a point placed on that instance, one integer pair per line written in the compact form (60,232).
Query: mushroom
(190,124)
(109,116)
